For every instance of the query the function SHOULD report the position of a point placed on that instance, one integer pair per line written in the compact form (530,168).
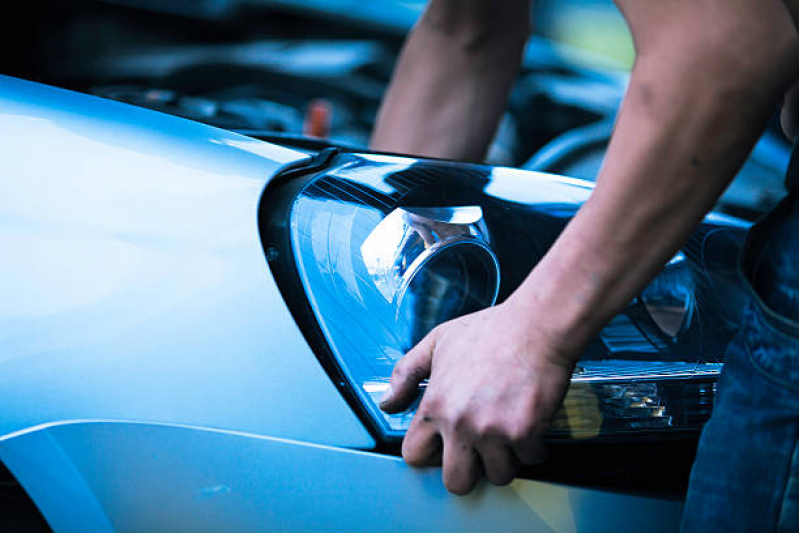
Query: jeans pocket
(772,351)
(771,336)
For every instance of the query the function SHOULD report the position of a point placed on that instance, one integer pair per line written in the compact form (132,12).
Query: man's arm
(707,77)
(452,80)
(708,74)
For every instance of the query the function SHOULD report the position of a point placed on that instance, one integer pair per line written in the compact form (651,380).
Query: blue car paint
(133,284)
(147,477)
(151,377)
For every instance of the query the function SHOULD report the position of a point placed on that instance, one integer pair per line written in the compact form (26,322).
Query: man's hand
(494,384)
(706,79)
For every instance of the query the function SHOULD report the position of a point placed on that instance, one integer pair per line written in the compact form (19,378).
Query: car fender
(133,282)
(119,476)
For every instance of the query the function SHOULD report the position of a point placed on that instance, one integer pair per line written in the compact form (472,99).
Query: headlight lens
(386,248)
(432,264)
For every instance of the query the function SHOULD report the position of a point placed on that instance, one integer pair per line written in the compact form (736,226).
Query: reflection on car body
(197,324)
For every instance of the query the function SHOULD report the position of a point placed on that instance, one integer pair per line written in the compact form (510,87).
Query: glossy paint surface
(151,376)
(133,284)
(144,477)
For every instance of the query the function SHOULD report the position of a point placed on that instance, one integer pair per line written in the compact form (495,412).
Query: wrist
(553,319)
(563,334)
(573,291)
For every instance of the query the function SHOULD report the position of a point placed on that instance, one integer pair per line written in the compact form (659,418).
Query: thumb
(409,371)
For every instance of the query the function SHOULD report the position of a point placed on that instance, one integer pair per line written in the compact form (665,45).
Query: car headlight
(372,252)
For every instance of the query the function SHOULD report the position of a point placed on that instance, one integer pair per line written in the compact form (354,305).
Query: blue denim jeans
(746,474)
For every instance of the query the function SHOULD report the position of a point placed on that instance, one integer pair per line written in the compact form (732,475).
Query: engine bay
(305,78)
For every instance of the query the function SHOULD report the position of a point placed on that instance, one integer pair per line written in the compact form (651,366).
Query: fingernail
(386,395)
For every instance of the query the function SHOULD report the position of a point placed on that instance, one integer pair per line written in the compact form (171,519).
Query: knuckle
(462,422)
(434,336)
(417,373)
(431,405)
(488,427)
(520,430)
(427,418)
(425,414)
(495,428)
(398,373)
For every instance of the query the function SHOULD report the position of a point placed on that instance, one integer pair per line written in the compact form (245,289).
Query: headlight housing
(372,252)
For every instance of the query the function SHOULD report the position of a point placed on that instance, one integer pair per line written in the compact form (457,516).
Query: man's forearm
(452,80)
(692,113)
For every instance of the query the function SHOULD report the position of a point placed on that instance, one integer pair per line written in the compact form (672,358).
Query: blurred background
(306,72)
(317,67)
(594,25)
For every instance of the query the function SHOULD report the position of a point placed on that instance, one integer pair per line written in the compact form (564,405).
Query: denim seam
(775,329)
(754,237)
(765,373)
(776,322)
(788,479)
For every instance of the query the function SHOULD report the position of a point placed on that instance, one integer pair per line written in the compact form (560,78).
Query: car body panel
(148,477)
(133,281)
(152,377)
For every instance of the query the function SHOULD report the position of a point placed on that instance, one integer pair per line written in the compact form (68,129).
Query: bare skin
(789,116)
(453,75)
(708,75)
(790,113)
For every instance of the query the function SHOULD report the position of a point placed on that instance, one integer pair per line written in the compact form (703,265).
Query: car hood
(133,282)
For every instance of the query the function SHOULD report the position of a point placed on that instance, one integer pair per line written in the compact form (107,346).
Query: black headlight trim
(330,172)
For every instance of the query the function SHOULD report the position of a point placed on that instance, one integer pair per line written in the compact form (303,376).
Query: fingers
(462,467)
(467,457)
(463,463)
(531,451)
(499,462)
(408,373)
(422,443)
